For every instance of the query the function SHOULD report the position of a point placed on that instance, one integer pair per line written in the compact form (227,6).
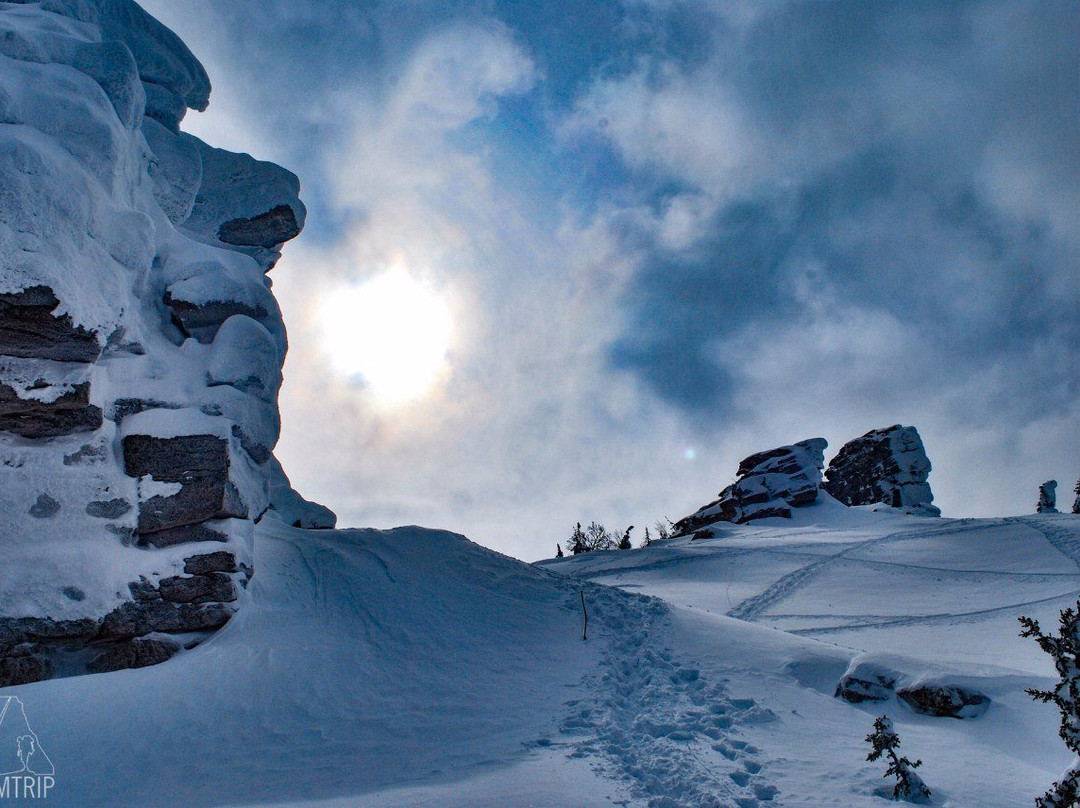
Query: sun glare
(392,331)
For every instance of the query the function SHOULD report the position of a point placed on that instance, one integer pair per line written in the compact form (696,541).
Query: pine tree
(647,540)
(624,542)
(558,550)
(909,786)
(1065,651)
(577,541)
(1076,502)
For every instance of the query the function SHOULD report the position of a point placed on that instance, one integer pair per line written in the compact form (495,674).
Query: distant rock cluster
(140,346)
(884,466)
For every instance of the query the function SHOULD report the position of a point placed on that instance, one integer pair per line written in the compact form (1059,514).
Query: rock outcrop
(140,346)
(944,701)
(886,466)
(1047,498)
(769,483)
(868,680)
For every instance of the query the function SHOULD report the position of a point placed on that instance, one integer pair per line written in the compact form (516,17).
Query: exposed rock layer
(886,466)
(770,483)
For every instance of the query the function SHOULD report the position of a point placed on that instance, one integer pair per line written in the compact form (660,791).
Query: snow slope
(413,668)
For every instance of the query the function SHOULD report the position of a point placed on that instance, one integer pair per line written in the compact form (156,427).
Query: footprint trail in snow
(658,724)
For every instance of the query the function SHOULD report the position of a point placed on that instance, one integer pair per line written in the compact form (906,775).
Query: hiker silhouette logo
(26,771)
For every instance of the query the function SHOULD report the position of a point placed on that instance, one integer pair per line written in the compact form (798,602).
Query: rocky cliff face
(886,466)
(140,346)
(769,483)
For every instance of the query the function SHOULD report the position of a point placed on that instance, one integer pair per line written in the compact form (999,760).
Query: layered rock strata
(887,466)
(769,483)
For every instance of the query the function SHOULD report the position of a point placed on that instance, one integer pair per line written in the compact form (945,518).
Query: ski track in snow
(753,608)
(1062,540)
(657,724)
(944,618)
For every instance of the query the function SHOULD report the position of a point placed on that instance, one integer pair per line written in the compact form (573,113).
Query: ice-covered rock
(886,466)
(1047,498)
(769,483)
(140,345)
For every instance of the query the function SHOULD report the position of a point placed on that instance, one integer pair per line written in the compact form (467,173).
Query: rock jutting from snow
(769,483)
(140,345)
(887,466)
(1047,498)
(865,681)
(944,701)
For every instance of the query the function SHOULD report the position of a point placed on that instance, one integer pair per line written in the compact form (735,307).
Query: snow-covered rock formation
(140,345)
(887,466)
(1047,498)
(769,483)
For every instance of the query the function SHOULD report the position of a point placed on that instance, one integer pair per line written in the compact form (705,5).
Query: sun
(393,332)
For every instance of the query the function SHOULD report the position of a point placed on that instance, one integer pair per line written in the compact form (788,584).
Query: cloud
(868,195)
(670,225)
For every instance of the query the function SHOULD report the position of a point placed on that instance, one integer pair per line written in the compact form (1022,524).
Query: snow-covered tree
(558,550)
(1047,497)
(648,538)
(1064,649)
(624,542)
(1076,502)
(884,740)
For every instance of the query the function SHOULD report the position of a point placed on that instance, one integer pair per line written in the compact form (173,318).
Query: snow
(410,668)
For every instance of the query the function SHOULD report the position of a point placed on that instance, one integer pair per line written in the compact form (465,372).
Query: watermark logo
(26,772)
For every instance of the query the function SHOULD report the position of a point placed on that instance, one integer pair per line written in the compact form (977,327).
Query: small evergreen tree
(624,542)
(1065,651)
(647,540)
(1076,502)
(558,550)
(909,786)
(577,541)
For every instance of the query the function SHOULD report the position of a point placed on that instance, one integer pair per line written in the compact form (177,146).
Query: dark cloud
(894,207)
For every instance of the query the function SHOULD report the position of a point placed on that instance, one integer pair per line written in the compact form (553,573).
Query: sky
(659,236)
